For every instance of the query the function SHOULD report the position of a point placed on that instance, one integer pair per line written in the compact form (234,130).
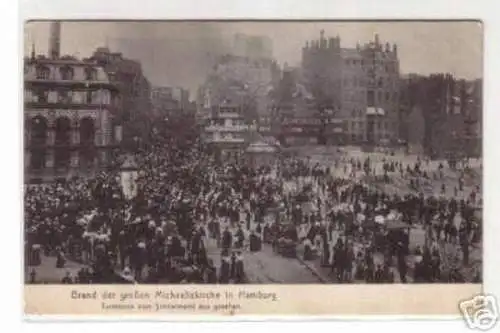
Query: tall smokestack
(55,40)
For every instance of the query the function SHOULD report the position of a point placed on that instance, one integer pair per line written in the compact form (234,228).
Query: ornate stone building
(360,85)
(68,117)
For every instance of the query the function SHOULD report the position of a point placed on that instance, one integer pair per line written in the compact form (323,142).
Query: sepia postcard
(252,167)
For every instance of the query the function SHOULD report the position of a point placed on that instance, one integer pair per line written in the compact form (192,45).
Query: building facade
(244,81)
(135,91)
(226,132)
(297,118)
(69,106)
(451,110)
(167,101)
(360,85)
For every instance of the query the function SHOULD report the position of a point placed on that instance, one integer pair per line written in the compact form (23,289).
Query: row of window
(381,82)
(381,96)
(387,67)
(37,131)
(372,97)
(63,73)
(226,122)
(355,126)
(68,96)
(361,137)
(62,159)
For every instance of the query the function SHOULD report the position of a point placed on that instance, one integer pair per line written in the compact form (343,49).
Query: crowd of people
(374,223)
(186,201)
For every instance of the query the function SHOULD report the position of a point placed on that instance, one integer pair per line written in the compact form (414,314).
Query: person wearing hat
(225,268)
(239,270)
(227,238)
(32,276)
(378,276)
(61,259)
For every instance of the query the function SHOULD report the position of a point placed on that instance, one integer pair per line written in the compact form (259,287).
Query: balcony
(34,81)
(222,128)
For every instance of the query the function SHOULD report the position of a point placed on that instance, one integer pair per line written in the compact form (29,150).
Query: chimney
(33,52)
(55,40)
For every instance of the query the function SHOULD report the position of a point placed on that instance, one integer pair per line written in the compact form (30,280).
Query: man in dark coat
(379,275)
(402,266)
(227,239)
(240,237)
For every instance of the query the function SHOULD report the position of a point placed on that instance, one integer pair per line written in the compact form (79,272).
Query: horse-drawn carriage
(285,240)
(286,247)
(390,233)
(183,270)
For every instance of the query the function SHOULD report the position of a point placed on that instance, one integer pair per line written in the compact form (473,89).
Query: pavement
(417,235)
(266,266)
(47,272)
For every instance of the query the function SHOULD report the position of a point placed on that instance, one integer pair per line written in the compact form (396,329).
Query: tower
(55,39)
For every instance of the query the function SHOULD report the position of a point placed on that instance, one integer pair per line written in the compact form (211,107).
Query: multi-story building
(135,103)
(451,113)
(167,101)
(69,106)
(360,85)
(226,132)
(294,118)
(299,118)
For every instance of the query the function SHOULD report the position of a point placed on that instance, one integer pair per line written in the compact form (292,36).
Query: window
(43,96)
(88,97)
(65,96)
(370,96)
(66,73)
(90,74)
(387,96)
(43,73)
(29,96)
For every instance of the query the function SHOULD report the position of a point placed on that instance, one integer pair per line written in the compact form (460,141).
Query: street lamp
(129,174)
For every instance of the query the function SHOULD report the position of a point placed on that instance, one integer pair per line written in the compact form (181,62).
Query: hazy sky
(181,53)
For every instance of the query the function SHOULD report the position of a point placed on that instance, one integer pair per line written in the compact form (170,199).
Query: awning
(373,111)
